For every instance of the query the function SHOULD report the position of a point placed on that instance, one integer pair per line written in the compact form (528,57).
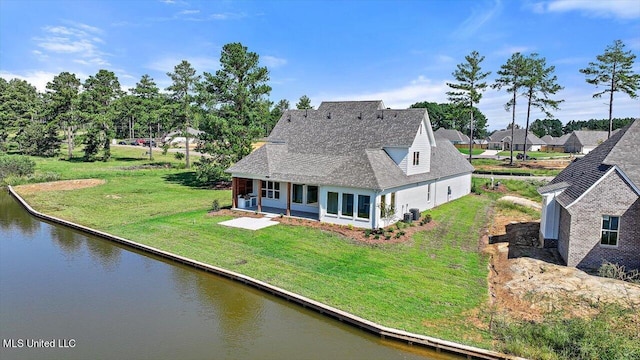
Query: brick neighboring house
(592,208)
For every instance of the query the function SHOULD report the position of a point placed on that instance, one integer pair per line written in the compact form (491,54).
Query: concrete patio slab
(250,223)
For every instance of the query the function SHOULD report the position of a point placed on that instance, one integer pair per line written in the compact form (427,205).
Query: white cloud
(189,12)
(39,79)
(419,89)
(77,39)
(477,19)
(272,61)
(623,9)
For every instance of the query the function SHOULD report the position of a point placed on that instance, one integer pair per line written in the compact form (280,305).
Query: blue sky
(400,52)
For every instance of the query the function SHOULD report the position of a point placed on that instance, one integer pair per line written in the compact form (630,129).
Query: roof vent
(360,116)
(306,112)
(289,118)
(329,115)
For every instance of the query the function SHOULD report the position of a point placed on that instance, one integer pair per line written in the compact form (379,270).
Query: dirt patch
(59,185)
(352,233)
(527,282)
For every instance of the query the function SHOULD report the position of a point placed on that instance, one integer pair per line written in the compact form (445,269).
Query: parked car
(146,143)
(122,142)
(520,156)
(137,142)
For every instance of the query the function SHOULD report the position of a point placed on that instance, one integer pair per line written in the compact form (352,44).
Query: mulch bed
(356,234)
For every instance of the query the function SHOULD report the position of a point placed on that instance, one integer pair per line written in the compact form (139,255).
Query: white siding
(421,145)
(424,196)
(399,156)
(277,203)
(311,208)
(459,185)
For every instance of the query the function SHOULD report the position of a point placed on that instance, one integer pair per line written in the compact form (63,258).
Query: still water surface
(99,300)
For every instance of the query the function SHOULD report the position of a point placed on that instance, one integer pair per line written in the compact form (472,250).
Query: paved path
(250,223)
(515,177)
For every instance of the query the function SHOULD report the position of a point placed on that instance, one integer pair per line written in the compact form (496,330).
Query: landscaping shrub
(215,206)
(179,155)
(387,237)
(15,165)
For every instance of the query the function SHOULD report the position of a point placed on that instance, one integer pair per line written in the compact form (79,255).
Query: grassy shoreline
(429,285)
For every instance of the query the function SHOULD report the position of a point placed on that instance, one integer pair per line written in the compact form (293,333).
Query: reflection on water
(11,219)
(115,303)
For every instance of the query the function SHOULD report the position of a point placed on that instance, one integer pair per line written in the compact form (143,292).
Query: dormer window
(416,158)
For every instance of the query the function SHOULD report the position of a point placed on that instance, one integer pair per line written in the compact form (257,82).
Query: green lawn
(428,285)
(536,154)
(474,152)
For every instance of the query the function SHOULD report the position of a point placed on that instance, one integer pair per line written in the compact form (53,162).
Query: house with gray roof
(591,210)
(583,141)
(455,136)
(344,161)
(501,140)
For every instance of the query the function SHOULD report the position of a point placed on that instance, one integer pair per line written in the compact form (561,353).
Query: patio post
(234,192)
(288,198)
(260,196)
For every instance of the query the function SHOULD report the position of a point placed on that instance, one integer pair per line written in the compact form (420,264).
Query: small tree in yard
(387,213)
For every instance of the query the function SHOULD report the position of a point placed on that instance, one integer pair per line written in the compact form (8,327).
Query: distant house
(455,136)
(583,141)
(346,160)
(177,137)
(555,144)
(592,208)
(501,140)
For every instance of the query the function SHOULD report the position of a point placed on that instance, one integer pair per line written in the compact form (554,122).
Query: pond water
(67,295)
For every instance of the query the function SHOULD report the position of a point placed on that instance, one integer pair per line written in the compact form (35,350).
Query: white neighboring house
(176,137)
(339,163)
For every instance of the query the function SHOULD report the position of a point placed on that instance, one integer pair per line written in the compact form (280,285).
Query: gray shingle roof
(454,136)
(620,150)
(342,144)
(518,136)
(555,141)
(590,137)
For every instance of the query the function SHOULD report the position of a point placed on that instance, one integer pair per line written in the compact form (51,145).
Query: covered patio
(249,195)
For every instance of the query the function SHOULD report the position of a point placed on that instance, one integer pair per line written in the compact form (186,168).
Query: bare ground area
(527,282)
(59,185)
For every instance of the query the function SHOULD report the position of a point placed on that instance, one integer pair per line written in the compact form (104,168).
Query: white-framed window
(610,230)
(296,193)
(332,203)
(393,200)
(270,189)
(347,204)
(364,206)
(312,194)
(428,192)
(416,158)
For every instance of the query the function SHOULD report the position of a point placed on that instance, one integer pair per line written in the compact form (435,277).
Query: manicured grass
(474,151)
(428,285)
(502,167)
(536,154)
